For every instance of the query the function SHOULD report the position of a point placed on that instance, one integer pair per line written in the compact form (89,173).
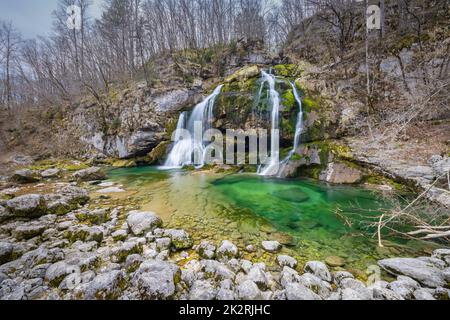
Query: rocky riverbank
(58,242)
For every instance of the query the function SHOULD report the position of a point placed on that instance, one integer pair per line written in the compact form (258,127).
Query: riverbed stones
(227,251)
(66,199)
(25,176)
(181,240)
(90,174)
(27,206)
(6,251)
(107,286)
(156,279)
(248,290)
(141,222)
(202,290)
(286,261)
(296,291)
(421,271)
(206,250)
(319,269)
(271,246)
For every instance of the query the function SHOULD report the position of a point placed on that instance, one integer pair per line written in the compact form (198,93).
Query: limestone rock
(142,222)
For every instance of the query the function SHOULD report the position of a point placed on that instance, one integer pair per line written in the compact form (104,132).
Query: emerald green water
(248,209)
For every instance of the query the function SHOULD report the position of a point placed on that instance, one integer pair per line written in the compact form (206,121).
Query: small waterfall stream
(272,168)
(184,150)
(298,126)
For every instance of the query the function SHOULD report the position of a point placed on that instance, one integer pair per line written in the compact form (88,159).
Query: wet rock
(6,252)
(29,231)
(142,222)
(27,206)
(206,250)
(423,272)
(156,280)
(90,174)
(227,251)
(25,176)
(296,291)
(319,269)
(107,286)
(181,240)
(287,261)
(202,291)
(271,246)
(248,290)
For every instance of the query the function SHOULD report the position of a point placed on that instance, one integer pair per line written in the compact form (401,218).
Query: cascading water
(184,149)
(298,127)
(273,167)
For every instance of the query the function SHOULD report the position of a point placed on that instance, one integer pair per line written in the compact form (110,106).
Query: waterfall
(272,168)
(298,126)
(184,149)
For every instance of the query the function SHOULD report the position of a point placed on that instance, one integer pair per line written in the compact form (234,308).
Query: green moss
(288,100)
(376,179)
(407,41)
(124,164)
(159,152)
(287,70)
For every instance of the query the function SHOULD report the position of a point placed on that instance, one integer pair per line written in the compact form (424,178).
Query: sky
(34,17)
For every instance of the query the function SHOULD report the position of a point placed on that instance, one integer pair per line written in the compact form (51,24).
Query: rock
(206,250)
(26,232)
(296,291)
(202,291)
(248,290)
(25,176)
(446,273)
(316,285)
(133,262)
(341,275)
(271,246)
(180,239)
(5,214)
(163,244)
(423,272)
(257,275)
(57,272)
(340,173)
(95,217)
(227,251)
(442,254)
(226,291)
(6,252)
(289,276)
(120,235)
(126,249)
(65,200)
(107,286)
(27,206)
(319,269)
(156,280)
(349,294)
(287,261)
(216,270)
(50,173)
(85,234)
(423,294)
(90,174)
(243,74)
(404,287)
(334,261)
(142,222)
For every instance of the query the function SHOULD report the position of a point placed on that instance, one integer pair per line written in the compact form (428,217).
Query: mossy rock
(124,164)
(159,152)
(244,74)
(287,70)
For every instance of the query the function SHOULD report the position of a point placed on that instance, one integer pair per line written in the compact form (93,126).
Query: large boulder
(6,251)
(425,273)
(341,173)
(25,176)
(141,222)
(243,74)
(90,174)
(156,280)
(27,206)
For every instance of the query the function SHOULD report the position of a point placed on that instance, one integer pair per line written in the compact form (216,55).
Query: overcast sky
(34,17)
